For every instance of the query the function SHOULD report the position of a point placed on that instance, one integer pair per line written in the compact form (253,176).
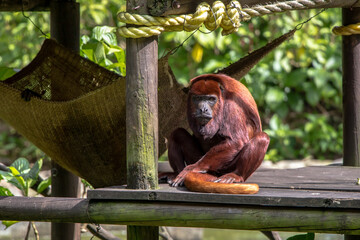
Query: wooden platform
(313,199)
(310,187)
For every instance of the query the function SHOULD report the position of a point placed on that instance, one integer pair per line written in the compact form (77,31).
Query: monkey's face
(203,108)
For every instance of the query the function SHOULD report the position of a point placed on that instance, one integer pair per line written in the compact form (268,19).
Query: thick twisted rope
(227,17)
(347,30)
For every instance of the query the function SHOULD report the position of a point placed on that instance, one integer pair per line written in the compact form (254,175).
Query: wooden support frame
(145,213)
(189,6)
(141,116)
(26,5)
(65,28)
(351,93)
(164,7)
(351,90)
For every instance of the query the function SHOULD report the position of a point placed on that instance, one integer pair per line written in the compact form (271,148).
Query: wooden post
(351,90)
(351,94)
(141,116)
(65,28)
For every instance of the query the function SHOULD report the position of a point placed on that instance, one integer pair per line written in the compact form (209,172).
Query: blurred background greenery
(297,86)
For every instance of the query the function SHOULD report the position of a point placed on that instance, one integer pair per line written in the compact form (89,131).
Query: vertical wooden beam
(351,94)
(65,28)
(351,90)
(141,116)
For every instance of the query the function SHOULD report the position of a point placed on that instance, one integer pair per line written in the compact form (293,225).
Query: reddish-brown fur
(228,148)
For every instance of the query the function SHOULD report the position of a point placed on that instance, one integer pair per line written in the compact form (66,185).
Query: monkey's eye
(212,99)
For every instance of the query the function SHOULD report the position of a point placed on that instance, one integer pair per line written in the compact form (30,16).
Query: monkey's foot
(230,178)
(167,177)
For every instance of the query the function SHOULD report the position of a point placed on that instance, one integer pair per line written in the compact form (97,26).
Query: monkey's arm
(218,157)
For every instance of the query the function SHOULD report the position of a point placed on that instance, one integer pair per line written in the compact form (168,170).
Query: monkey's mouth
(203,119)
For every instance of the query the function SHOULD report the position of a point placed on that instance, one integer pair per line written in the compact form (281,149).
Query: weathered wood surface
(65,28)
(26,5)
(206,215)
(185,6)
(351,90)
(311,187)
(189,6)
(141,117)
(141,110)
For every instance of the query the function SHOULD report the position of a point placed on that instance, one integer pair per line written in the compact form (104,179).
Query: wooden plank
(26,5)
(328,187)
(310,178)
(265,197)
(207,215)
(172,7)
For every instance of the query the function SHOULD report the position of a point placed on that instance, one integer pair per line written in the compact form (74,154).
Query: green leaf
(10,178)
(274,95)
(5,192)
(308,236)
(114,49)
(17,178)
(105,33)
(312,96)
(295,78)
(275,122)
(99,53)
(7,224)
(21,165)
(296,102)
(34,171)
(86,183)
(43,185)
(33,174)
(6,73)
(5,174)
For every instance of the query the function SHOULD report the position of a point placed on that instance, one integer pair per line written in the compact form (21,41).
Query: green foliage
(5,192)
(6,73)
(102,49)
(13,146)
(308,236)
(20,40)
(86,184)
(43,185)
(21,175)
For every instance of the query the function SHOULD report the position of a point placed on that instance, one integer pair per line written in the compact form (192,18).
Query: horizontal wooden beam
(24,5)
(189,6)
(168,7)
(226,216)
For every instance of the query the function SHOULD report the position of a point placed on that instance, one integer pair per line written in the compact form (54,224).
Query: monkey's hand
(179,180)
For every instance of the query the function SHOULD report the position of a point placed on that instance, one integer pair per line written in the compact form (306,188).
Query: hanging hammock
(76,114)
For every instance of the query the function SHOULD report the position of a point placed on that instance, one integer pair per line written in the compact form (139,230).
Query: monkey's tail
(202,182)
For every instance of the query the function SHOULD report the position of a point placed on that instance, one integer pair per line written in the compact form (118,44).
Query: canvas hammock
(79,121)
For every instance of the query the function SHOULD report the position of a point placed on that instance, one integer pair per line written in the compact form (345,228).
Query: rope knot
(218,15)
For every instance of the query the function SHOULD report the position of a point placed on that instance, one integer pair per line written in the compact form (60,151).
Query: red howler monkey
(227,144)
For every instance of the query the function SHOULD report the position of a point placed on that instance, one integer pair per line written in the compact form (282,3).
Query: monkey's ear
(221,88)
(186,90)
